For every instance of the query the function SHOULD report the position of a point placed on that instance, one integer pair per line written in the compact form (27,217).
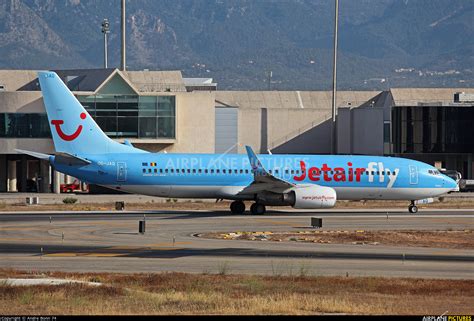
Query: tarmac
(51,198)
(110,242)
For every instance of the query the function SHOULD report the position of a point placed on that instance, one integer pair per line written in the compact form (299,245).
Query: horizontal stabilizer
(59,158)
(71,160)
(34,154)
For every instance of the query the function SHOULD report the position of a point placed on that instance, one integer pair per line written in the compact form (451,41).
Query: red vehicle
(75,186)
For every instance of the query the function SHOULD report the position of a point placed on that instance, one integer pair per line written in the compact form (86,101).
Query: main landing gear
(257,209)
(238,207)
(413,209)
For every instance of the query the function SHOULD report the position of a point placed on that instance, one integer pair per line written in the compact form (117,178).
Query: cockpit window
(434,172)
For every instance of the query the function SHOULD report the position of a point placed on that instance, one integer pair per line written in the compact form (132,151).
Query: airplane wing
(263,180)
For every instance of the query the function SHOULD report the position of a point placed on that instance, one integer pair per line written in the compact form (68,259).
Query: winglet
(257,167)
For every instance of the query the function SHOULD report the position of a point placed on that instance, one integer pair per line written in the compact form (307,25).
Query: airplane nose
(450,183)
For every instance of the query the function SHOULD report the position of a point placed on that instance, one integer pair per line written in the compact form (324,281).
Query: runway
(110,242)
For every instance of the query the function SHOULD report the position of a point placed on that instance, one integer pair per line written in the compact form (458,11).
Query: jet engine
(303,197)
(312,197)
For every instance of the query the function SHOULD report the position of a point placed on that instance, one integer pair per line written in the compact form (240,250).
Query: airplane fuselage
(223,176)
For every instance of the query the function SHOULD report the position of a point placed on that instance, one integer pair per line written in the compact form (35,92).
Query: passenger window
(144,170)
(276,171)
(194,171)
(212,171)
(246,171)
(241,171)
(223,171)
(172,170)
(286,171)
(205,171)
(189,171)
(156,170)
(292,171)
(217,171)
(149,170)
(235,171)
(199,171)
(166,170)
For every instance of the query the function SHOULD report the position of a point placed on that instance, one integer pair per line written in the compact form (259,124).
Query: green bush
(69,200)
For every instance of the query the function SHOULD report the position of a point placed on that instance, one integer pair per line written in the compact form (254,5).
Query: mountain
(382,43)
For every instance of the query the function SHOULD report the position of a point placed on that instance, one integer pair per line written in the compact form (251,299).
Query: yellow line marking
(63,254)
(127,248)
(66,254)
(169,244)
(50,238)
(105,254)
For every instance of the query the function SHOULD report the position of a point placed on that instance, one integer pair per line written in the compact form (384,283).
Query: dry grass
(180,293)
(461,239)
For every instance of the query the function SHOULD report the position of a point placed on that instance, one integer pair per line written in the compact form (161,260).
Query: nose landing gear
(413,209)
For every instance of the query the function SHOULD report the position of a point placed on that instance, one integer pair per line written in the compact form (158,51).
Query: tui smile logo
(57,124)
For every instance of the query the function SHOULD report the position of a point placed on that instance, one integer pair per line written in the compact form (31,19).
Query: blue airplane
(301,181)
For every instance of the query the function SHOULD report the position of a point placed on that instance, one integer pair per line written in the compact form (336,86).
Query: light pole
(105,31)
(123,63)
(334,84)
(270,75)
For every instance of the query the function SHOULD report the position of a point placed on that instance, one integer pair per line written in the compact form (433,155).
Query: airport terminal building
(161,111)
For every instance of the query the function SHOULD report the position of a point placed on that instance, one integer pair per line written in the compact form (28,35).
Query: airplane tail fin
(73,129)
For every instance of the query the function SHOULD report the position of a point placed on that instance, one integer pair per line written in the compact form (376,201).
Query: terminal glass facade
(433,129)
(17,125)
(131,116)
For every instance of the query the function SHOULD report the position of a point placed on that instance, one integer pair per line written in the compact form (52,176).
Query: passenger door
(121,172)
(413,174)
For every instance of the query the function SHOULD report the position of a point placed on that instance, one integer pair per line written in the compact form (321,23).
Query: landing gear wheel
(257,209)
(413,209)
(237,207)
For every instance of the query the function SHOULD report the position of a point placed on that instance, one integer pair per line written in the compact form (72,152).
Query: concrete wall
(195,125)
(286,121)
(195,122)
(316,140)
(344,131)
(267,128)
(21,102)
(360,131)
(42,145)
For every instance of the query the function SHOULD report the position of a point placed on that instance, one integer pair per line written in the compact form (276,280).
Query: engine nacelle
(313,197)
